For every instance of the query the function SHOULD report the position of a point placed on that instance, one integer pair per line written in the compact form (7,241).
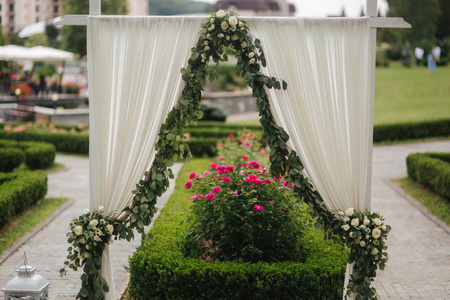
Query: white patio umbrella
(38,27)
(14,52)
(38,53)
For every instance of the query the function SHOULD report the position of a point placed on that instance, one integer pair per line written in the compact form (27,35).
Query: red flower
(257,181)
(244,157)
(212,165)
(267,181)
(226,179)
(258,208)
(221,158)
(192,175)
(188,184)
(230,136)
(210,196)
(216,189)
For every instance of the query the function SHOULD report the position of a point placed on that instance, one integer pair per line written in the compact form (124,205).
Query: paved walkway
(419,250)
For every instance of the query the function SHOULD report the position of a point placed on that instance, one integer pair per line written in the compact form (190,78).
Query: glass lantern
(27,285)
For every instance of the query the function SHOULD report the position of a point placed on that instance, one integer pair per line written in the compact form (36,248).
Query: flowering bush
(364,233)
(89,234)
(47,128)
(242,212)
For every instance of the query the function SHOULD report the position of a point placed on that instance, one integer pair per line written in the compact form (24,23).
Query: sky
(323,8)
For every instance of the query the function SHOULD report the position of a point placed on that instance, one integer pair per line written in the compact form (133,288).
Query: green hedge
(410,131)
(37,155)
(11,158)
(158,269)
(431,170)
(19,191)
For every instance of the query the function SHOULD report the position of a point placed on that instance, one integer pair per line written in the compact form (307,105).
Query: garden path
(419,246)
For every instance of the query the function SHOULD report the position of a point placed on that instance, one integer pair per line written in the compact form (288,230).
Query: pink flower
(192,175)
(253,176)
(243,135)
(206,173)
(235,192)
(188,184)
(195,197)
(250,134)
(248,179)
(244,157)
(220,145)
(7,128)
(244,164)
(221,169)
(267,181)
(51,126)
(246,144)
(230,136)
(285,184)
(80,126)
(210,196)
(230,168)
(258,208)
(212,165)
(226,179)
(257,181)
(221,158)
(255,164)
(216,189)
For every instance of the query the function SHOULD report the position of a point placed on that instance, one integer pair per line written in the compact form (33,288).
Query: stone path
(419,249)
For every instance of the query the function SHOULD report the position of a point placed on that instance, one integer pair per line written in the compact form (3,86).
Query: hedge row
(18,191)
(431,170)
(36,155)
(211,131)
(159,270)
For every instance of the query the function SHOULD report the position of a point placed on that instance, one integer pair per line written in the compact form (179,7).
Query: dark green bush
(212,113)
(408,131)
(202,146)
(19,191)
(11,158)
(37,155)
(431,170)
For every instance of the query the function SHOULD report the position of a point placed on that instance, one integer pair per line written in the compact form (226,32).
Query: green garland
(220,31)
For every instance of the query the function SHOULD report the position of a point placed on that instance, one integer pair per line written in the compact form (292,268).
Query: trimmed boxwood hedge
(19,191)
(410,131)
(431,170)
(37,155)
(159,270)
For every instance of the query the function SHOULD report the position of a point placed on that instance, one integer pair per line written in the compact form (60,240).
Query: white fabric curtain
(134,81)
(327,109)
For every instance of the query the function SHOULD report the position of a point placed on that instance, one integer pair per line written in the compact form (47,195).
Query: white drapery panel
(327,109)
(134,81)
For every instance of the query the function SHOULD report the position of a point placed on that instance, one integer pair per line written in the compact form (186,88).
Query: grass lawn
(406,95)
(53,167)
(437,205)
(27,221)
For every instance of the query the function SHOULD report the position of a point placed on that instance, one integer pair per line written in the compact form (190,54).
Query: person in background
(418,52)
(436,53)
(431,63)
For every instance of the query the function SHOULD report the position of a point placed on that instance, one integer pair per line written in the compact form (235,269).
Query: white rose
(220,14)
(251,55)
(101,208)
(350,211)
(376,233)
(87,255)
(207,48)
(244,45)
(102,221)
(86,211)
(206,43)
(374,251)
(78,230)
(82,240)
(346,227)
(362,226)
(252,61)
(224,25)
(233,28)
(346,219)
(228,37)
(209,37)
(212,27)
(220,35)
(110,228)
(355,222)
(93,222)
(367,237)
(96,238)
(366,221)
(87,247)
(383,228)
(233,20)
(241,24)
(99,232)
(377,221)
(376,257)
(234,37)
(362,244)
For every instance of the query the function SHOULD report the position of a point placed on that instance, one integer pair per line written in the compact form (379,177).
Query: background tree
(52,34)
(38,39)
(177,7)
(74,37)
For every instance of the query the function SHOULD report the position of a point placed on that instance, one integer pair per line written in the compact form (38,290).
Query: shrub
(37,155)
(19,191)
(407,131)
(11,158)
(212,113)
(431,170)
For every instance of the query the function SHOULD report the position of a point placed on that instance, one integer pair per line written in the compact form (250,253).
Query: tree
(443,24)
(38,39)
(74,37)
(52,34)
(177,7)
(423,15)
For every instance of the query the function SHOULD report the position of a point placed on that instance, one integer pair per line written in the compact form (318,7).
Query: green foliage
(212,113)
(38,39)
(409,131)
(18,191)
(242,213)
(381,59)
(46,68)
(200,147)
(431,170)
(52,34)
(11,158)
(159,270)
(36,155)
(407,55)
(177,7)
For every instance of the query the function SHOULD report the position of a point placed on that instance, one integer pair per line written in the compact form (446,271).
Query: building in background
(258,7)
(16,14)
(137,7)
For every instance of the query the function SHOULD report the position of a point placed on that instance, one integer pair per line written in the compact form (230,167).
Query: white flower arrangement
(364,234)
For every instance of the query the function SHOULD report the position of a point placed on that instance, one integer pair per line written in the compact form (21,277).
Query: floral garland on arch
(363,232)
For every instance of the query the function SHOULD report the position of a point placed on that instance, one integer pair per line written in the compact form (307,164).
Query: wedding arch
(319,128)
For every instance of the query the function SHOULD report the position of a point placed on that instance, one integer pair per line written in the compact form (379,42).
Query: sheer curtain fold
(134,81)
(327,108)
